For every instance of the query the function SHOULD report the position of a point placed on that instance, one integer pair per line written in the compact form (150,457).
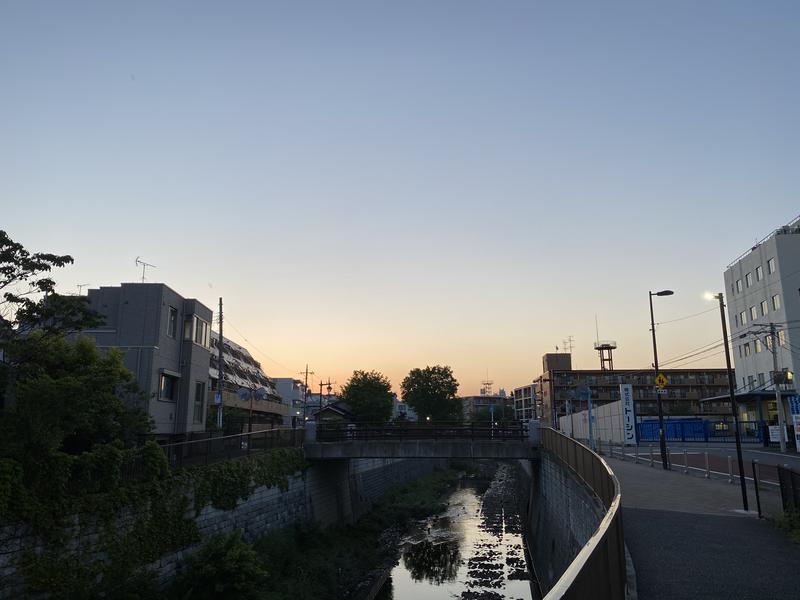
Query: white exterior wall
(784,282)
(607,426)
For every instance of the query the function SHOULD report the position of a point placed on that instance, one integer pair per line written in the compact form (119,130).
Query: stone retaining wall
(328,492)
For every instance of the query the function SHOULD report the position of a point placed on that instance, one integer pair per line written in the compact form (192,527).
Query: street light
(731,387)
(662,441)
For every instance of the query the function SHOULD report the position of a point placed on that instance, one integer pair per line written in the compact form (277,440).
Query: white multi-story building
(763,290)
(525,402)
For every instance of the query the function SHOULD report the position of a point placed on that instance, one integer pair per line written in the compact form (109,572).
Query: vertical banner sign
(628,415)
(794,408)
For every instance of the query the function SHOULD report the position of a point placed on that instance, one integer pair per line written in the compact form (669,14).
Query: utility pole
(732,392)
(305,390)
(781,416)
(221,367)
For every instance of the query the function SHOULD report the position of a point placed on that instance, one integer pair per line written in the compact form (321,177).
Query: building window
(199,402)
(759,273)
(747,349)
(758,346)
(197,330)
(741,354)
(748,279)
(751,382)
(768,342)
(771,265)
(776,302)
(738,285)
(761,379)
(743,318)
(753,313)
(782,338)
(172,322)
(764,310)
(167,388)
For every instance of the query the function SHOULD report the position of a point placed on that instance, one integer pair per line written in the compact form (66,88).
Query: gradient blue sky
(382,185)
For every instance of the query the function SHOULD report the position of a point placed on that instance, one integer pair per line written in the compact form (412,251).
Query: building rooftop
(792,227)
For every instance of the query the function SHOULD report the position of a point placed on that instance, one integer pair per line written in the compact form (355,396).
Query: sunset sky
(375,185)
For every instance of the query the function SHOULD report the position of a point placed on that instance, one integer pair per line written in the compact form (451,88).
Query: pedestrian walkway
(689,538)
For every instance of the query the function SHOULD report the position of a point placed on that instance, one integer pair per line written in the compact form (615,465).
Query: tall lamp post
(662,440)
(731,388)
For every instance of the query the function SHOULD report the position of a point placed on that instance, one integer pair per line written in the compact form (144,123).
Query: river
(472,551)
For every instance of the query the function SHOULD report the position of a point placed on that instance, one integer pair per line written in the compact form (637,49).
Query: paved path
(688,538)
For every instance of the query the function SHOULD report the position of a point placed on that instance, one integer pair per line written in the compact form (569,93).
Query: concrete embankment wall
(562,515)
(328,492)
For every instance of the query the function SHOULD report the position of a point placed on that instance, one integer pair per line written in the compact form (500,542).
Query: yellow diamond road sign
(661,381)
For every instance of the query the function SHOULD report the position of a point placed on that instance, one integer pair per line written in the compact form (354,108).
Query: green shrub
(226,567)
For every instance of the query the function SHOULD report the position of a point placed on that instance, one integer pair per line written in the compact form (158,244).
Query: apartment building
(166,343)
(246,386)
(525,407)
(563,389)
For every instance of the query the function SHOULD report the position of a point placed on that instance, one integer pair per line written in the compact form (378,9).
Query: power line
(252,345)
(714,308)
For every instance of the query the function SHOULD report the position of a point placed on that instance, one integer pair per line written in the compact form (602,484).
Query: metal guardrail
(790,488)
(214,449)
(599,570)
(341,432)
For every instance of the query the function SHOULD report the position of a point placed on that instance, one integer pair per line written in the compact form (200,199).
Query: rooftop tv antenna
(144,266)
(81,286)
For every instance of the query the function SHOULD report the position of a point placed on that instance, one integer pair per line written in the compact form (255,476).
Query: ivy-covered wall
(150,536)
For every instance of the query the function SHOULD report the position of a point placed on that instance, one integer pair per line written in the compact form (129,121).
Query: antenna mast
(144,266)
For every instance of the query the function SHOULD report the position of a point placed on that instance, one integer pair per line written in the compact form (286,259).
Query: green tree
(431,392)
(369,394)
(29,300)
(68,427)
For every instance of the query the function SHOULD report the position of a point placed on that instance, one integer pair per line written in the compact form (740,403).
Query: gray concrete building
(165,339)
(762,288)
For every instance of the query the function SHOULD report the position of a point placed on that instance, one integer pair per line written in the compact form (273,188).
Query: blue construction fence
(701,430)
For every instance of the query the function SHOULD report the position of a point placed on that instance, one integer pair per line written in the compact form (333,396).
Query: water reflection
(474,550)
(436,562)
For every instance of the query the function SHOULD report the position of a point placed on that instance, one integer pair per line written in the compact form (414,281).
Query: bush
(226,567)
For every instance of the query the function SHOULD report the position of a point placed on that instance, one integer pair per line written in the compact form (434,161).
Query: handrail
(598,571)
(226,437)
(337,432)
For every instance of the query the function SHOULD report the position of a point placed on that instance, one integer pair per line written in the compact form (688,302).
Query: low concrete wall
(562,515)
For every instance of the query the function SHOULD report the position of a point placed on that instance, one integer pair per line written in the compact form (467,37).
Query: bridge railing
(341,432)
(598,571)
(223,447)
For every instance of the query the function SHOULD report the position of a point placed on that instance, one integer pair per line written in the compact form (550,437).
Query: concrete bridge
(441,440)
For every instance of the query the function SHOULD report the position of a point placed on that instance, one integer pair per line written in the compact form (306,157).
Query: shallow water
(473,551)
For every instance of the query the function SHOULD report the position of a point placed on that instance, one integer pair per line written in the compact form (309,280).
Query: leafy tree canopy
(431,392)
(28,293)
(369,394)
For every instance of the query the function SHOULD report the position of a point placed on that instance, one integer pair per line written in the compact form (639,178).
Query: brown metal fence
(790,488)
(599,570)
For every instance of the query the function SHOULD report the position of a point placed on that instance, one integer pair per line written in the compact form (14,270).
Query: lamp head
(710,296)
(664,293)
